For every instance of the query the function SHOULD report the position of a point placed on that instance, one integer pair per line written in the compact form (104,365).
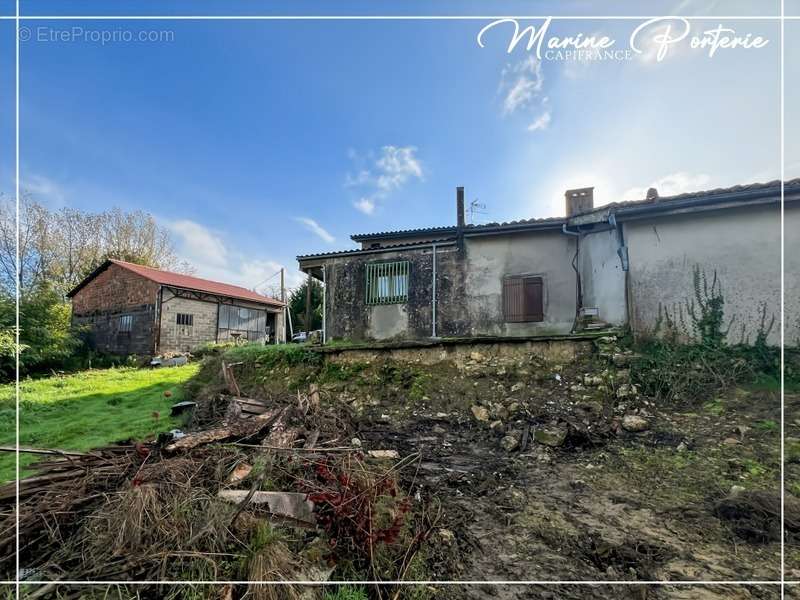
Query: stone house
(624,263)
(132,309)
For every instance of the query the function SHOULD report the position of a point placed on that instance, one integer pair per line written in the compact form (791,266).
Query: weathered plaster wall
(183,338)
(742,245)
(602,277)
(546,254)
(792,272)
(468,286)
(349,317)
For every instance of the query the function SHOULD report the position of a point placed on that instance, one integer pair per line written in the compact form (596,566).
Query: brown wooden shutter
(534,306)
(523,299)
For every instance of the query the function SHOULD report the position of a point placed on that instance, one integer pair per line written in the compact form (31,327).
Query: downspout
(622,252)
(433,294)
(324,296)
(578,290)
(160,309)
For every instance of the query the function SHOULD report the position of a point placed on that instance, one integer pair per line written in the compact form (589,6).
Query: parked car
(301,338)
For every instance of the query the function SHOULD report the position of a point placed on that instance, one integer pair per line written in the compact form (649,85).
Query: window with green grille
(387,283)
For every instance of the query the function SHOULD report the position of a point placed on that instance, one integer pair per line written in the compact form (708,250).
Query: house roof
(552,222)
(740,193)
(386,248)
(734,193)
(178,280)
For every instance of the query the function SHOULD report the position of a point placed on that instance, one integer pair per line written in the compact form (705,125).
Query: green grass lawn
(89,409)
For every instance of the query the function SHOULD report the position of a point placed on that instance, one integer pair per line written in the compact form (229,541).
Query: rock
(476,356)
(480,412)
(355,443)
(682,447)
(621,360)
(446,536)
(498,411)
(592,380)
(496,426)
(730,441)
(550,436)
(627,390)
(736,489)
(390,454)
(635,423)
(542,454)
(517,387)
(439,430)
(513,408)
(240,473)
(509,443)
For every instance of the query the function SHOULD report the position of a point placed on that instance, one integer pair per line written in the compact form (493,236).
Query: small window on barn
(523,299)
(387,283)
(187,320)
(125,323)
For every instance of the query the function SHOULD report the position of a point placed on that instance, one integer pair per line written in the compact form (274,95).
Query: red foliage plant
(356,509)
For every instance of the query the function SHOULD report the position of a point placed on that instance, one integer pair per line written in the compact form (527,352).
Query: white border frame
(18,17)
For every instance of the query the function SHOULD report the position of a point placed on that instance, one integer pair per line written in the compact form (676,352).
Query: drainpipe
(622,249)
(578,290)
(324,296)
(433,293)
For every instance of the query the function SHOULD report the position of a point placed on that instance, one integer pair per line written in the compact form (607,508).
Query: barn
(126,308)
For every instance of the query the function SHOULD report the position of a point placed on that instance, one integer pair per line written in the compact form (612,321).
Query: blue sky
(254,141)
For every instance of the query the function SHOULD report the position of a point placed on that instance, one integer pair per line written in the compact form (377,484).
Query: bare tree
(60,248)
(35,253)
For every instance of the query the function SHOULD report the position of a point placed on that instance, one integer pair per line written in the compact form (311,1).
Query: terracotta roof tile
(189,282)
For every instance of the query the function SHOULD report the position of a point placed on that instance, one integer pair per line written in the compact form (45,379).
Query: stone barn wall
(99,307)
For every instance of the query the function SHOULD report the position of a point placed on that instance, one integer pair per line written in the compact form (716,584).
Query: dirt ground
(544,471)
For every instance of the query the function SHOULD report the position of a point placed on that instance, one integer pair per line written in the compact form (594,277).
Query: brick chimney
(579,200)
(460,207)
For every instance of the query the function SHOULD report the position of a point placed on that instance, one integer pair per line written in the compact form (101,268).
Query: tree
(297,306)
(62,247)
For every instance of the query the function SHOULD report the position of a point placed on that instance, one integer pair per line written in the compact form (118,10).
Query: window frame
(517,310)
(125,323)
(387,282)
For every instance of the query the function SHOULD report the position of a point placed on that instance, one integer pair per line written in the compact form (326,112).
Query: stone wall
(348,316)
(510,352)
(99,307)
(101,330)
(184,338)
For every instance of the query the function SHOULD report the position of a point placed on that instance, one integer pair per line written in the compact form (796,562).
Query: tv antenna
(476,208)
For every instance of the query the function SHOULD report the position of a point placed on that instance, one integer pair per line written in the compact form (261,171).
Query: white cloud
(396,165)
(541,122)
(365,205)
(214,259)
(43,190)
(671,185)
(377,177)
(204,246)
(316,229)
(520,84)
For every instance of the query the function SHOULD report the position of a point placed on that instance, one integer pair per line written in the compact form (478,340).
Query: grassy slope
(89,409)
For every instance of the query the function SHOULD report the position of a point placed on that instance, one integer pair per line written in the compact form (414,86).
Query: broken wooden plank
(241,429)
(230,379)
(292,505)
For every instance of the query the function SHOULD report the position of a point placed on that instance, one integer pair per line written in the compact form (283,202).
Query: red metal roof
(187,282)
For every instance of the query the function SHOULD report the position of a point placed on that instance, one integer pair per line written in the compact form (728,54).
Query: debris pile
(271,492)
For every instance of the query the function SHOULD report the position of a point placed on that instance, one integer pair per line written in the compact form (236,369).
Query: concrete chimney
(579,200)
(460,207)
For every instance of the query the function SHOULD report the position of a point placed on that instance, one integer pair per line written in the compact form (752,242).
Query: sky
(256,141)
